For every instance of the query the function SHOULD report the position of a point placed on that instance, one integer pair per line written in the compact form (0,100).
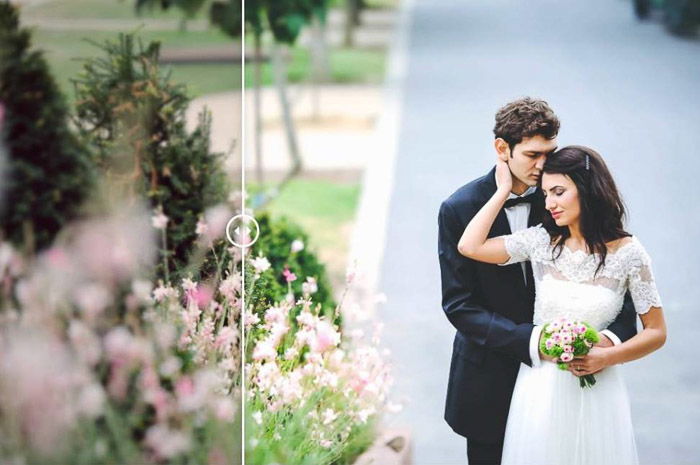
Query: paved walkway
(628,89)
(335,134)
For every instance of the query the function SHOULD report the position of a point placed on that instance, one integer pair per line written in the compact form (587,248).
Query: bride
(583,262)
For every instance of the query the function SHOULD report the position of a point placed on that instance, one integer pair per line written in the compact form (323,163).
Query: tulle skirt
(553,421)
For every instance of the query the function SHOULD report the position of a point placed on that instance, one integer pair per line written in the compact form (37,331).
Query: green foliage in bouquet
(49,173)
(274,243)
(581,345)
(126,103)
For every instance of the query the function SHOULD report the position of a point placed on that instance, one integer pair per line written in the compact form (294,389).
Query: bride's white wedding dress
(552,420)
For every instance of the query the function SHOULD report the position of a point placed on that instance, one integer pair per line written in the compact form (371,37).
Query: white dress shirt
(517,219)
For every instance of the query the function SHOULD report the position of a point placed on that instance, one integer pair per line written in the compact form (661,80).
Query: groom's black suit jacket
(491,307)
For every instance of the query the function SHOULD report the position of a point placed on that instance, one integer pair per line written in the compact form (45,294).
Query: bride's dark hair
(602,208)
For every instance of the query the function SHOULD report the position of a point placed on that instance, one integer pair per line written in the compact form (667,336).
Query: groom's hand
(543,356)
(604,341)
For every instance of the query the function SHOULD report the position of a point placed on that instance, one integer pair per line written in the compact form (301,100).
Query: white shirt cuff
(615,340)
(535,346)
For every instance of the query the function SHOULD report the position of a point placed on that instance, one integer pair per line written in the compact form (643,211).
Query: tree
(49,173)
(285,19)
(125,103)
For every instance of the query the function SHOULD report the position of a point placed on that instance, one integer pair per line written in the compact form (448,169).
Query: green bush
(125,104)
(274,243)
(49,173)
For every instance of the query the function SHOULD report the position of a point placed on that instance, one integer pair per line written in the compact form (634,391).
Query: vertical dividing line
(243,257)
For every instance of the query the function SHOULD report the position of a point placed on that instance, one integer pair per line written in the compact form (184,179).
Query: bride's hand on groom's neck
(504,179)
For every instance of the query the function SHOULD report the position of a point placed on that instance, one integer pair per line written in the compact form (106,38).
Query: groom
(492,306)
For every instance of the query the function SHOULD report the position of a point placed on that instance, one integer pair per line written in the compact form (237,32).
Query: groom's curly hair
(525,117)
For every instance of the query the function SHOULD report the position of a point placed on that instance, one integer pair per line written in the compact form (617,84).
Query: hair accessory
(588,162)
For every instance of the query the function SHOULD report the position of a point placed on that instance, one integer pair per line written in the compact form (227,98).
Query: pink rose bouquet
(566,339)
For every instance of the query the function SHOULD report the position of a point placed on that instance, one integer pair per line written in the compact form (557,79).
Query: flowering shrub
(126,103)
(97,366)
(312,396)
(282,264)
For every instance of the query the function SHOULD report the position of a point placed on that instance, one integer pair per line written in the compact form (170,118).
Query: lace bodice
(568,286)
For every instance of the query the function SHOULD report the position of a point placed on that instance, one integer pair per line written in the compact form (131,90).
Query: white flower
(297,246)
(326,443)
(363,415)
(164,292)
(257,416)
(291,353)
(310,286)
(166,442)
(328,416)
(92,399)
(202,228)
(392,407)
(261,264)
(159,220)
(188,284)
(264,350)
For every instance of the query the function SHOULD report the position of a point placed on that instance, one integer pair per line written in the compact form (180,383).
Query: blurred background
(362,116)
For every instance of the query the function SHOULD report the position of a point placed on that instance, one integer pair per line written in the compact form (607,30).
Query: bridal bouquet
(565,339)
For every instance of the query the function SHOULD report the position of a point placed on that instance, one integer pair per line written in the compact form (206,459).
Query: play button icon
(242,231)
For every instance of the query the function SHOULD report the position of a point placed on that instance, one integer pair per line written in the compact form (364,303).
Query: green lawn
(64,50)
(326,211)
(83,9)
(348,65)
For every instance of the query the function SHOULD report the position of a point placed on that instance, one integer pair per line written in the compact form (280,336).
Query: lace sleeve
(521,244)
(640,281)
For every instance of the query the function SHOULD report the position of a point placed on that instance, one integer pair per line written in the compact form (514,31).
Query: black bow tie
(518,200)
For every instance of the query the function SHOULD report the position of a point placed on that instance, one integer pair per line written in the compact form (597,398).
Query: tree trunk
(320,66)
(351,7)
(257,111)
(280,72)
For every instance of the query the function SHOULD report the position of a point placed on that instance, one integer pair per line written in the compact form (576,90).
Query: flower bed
(313,393)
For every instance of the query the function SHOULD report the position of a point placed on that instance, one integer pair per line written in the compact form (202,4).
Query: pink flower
(566,357)
(568,349)
(274,314)
(225,409)
(184,386)
(326,337)
(289,276)
(549,343)
(201,295)
(350,276)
